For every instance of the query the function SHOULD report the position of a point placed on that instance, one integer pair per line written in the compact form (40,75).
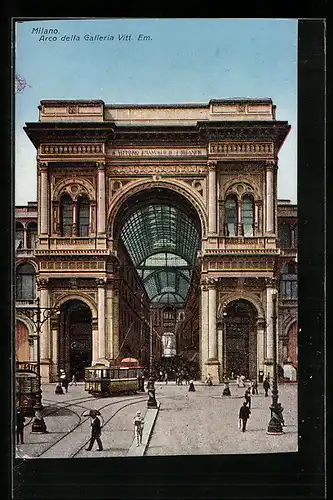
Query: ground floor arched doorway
(22,349)
(75,338)
(240,339)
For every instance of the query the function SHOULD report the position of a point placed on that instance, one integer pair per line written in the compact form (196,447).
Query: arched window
(231,215)
(25,282)
(31,235)
(19,235)
(83,216)
(288,282)
(284,235)
(66,215)
(247,215)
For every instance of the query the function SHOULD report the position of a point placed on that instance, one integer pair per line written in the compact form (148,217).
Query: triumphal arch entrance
(157,219)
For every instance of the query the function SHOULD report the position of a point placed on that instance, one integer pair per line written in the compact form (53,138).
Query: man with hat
(138,423)
(95,431)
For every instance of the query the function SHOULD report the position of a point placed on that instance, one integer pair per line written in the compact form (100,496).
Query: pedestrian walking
(166,378)
(247,396)
(209,379)
(138,423)
(244,415)
(161,376)
(191,387)
(96,430)
(64,380)
(226,390)
(73,380)
(255,387)
(20,419)
(266,386)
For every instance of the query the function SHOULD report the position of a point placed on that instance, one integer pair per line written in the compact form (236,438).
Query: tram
(26,388)
(125,378)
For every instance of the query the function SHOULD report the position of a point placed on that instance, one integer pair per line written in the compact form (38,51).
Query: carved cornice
(241,149)
(158,169)
(76,149)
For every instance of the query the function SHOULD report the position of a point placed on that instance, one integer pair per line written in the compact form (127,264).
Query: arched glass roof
(162,242)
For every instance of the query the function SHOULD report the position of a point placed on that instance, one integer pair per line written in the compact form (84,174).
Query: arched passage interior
(240,339)
(161,233)
(75,338)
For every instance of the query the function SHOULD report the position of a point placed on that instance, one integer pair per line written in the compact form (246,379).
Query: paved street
(187,423)
(203,422)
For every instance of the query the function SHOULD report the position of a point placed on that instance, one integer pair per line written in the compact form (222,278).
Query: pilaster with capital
(270,196)
(42,169)
(101,213)
(212,196)
(43,289)
(270,286)
(101,305)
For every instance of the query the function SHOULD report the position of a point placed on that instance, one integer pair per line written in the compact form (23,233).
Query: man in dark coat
(20,419)
(244,414)
(266,386)
(247,396)
(95,432)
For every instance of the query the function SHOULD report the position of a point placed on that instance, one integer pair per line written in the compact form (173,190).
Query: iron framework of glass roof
(162,242)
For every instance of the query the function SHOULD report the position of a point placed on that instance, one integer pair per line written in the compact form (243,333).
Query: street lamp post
(151,403)
(33,312)
(275,424)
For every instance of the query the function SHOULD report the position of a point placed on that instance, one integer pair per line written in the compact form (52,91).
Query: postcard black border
(295,475)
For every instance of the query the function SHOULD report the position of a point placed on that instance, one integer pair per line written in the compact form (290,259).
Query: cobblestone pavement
(187,423)
(69,430)
(203,422)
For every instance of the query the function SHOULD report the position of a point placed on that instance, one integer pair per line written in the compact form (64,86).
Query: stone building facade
(164,208)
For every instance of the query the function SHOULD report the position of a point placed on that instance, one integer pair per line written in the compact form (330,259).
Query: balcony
(241,244)
(71,245)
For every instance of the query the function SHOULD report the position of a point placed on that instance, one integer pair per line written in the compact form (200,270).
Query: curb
(150,419)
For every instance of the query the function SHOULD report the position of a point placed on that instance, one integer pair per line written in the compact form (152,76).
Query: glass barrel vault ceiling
(162,242)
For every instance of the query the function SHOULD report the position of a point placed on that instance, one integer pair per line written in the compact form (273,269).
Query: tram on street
(26,388)
(125,378)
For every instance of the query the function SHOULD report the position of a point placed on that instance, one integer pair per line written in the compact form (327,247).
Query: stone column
(25,229)
(220,347)
(204,330)
(269,198)
(54,348)
(74,218)
(44,336)
(269,323)
(212,196)
(260,344)
(101,198)
(239,230)
(43,198)
(101,293)
(256,219)
(221,218)
(95,340)
(212,344)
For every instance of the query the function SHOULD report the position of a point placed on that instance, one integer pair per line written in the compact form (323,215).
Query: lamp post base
(151,403)
(38,425)
(275,424)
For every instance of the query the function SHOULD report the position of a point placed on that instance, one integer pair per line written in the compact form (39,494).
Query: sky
(174,61)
